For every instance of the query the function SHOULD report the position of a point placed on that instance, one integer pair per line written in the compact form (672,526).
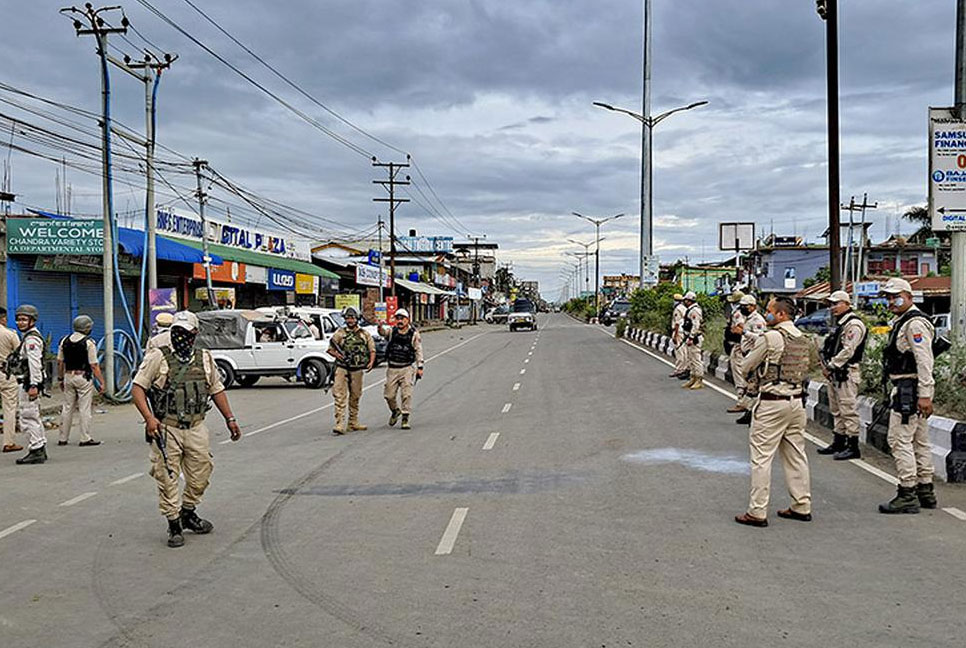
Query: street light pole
(597,222)
(957,308)
(828,11)
(647,194)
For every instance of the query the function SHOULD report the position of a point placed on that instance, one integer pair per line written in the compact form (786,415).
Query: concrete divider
(948,436)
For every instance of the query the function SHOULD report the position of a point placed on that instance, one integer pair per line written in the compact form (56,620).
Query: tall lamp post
(586,247)
(828,11)
(597,223)
(647,175)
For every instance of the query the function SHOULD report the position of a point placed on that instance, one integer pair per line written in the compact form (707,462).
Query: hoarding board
(947,170)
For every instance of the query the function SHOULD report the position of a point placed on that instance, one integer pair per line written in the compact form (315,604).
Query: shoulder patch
(917,338)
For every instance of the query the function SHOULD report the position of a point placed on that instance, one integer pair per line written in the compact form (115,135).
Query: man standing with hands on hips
(354,351)
(77,366)
(404,355)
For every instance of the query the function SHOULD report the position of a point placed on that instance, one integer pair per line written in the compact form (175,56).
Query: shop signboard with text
(280,279)
(346,300)
(306,284)
(233,235)
(50,236)
(228,272)
(367,275)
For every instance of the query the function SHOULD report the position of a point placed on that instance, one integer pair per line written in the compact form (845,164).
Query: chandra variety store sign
(49,236)
(234,235)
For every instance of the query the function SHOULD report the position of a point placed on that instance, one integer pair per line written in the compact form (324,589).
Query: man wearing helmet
(28,366)
(354,351)
(76,367)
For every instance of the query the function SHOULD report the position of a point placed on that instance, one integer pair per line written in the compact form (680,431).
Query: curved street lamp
(597,223)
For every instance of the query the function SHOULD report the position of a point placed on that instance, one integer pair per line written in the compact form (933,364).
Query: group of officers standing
(770,358)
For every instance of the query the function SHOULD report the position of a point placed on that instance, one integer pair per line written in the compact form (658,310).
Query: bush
(620,327)
(950,372)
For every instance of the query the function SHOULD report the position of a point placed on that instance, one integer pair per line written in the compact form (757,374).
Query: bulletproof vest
(400,351)
(832,344)
(17,363)
(75,354)
(896,363)
(687,325)
(355,351)
(183,401)
(792,367)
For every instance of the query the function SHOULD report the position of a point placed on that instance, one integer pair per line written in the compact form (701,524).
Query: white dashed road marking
(491,441)
(516,386)
(956,513)
(506,408)
(452,530)
(124,480)
(523,371)
(527,361)
(16,527)
(77,500)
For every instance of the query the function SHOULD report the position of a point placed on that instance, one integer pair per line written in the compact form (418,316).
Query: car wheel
(247,381)
(314,373)
(226,373)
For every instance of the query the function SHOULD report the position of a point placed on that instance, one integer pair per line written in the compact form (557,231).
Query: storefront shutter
(50,293)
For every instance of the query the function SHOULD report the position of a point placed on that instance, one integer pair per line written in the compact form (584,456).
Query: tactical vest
(75,355)
(792,367)
(832,344)
(18,365)
(687,325)
(896,363)
(400,351)
(183,401)
(355,351)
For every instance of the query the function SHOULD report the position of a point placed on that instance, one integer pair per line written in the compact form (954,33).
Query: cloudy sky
(493,100)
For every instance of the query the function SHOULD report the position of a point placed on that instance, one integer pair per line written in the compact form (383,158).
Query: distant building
(530,290)
(622,284)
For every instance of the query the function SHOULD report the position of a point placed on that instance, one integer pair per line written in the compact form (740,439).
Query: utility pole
(855,257)
(206,258)
(477,278)
(828,11)
(647,164)
(390,186)
(382,296)
(958,238)
(89,22)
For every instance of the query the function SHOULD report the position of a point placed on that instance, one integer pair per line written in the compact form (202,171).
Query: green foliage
(582,308)
(620,327)
(950,372)
(651,307)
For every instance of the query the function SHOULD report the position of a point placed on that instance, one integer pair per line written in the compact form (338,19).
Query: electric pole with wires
(390,186)
(200,165)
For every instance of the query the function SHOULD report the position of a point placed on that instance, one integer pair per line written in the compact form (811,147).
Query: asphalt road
(556,490)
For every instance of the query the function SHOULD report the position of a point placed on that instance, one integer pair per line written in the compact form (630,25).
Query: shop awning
(132,241)
(265,260)
(419,287)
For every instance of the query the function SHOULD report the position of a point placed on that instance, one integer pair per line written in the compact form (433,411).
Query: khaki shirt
(768,350)
(754,328)
(9,341)
(162,339)
(153,372)
(851,338)
(916,335)
(737,317)
(77,337)
(695,314)
(33,348)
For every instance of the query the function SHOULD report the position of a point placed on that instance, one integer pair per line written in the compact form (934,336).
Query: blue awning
(132,241)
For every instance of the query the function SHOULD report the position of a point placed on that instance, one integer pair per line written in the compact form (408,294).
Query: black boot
(837,445)
(684,375)
(394,417)
(175,535)
(850,452)
(405,422)
(192,522)
(905,501)
(745,418)
(927,496)
(37,456)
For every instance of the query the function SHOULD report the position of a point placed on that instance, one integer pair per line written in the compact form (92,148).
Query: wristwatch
(231,419)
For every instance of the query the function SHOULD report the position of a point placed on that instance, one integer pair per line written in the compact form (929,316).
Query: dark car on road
(817,322)
(614,312)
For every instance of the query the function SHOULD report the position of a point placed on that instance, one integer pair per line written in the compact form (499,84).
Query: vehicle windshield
(337,318)
(621,307)
(298,330)
(522,306)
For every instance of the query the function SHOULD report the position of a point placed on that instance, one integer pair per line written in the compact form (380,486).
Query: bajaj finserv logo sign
(54,236)
(281,279)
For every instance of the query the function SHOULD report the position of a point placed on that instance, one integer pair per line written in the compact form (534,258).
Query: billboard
(947,170)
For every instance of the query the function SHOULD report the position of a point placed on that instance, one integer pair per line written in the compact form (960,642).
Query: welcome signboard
(48,236)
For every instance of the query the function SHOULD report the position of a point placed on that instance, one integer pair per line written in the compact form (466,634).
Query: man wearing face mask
(780,357)
(841,355)
(179,379)
(752,328)
(404,355)
(677,337)
(354,351)
(907,363)
(693,337)
(732,334)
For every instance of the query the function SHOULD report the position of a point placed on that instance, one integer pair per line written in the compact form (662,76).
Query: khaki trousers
(739,378)
(399,380)
(188,452)
(695,359)
(680,355)
(79,397)
(10,395)
(778,426)
(347,387)
(30,423)
(911,449)
(843,405)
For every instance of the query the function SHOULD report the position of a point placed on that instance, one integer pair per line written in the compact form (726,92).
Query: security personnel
(677,337)
(404,356)
(732,340)
(76,367)
(908,363)
(781,359)
(28,367)
(163,336)
(841,355)
(693,338)
(9,391)
(354,351)
(753,328)
(179,379)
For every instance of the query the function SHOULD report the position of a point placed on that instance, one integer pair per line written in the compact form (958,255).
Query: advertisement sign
(947,170)
(474,293)
(392,305)
(280,279)
(736,236)
(171,223)
(380,312)
(367,275)
(867,289)
(425,243)
(228,272)
(162,300)
(375,256)
(225,297)
(256,274)
(50,236)
(343,301)
(306,284)
(446,280)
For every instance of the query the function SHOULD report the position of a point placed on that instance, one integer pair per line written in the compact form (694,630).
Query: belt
(778,397)
(76,372)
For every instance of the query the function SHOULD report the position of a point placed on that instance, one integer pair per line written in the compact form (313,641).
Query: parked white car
(327,321)
(247,345)
(941,322)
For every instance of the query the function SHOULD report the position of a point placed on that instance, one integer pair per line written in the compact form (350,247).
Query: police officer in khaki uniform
(732,342)
(693,338)
(781,358)
(354,351)
(751,329)
(677,337)
(163,335)
(404,359)
(179,379)
(908,363)
(28,365)
(9,391)
(841,355)
(77,366)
